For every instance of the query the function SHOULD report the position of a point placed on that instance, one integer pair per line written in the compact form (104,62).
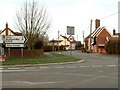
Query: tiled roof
(15,33)
(96,32)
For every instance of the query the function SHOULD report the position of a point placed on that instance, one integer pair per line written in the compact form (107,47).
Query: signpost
(71,38)
(70,31)
(14,45)
(15,41)
(1,49)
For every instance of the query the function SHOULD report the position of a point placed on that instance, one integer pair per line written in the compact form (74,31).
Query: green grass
(40,60)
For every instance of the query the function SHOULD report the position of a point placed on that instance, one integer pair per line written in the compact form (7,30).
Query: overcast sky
(63,13)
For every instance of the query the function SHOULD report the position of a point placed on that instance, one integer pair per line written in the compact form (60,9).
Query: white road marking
(28,82)
(71,66)
(30,68)
(110,65)
(44,67)
(84,66)
(97,66)
(13,68)
(1,68)
(59,67)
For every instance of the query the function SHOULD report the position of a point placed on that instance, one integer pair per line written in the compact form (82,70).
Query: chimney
(97,23)
(113,31)
(6,29)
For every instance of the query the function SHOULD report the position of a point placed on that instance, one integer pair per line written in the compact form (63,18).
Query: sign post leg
(9,52)
(70,49)
(21,52)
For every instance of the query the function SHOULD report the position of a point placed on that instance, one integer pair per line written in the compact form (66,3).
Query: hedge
(113,46)
(50,48)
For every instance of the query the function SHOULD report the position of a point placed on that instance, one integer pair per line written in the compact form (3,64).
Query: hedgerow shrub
(113,46)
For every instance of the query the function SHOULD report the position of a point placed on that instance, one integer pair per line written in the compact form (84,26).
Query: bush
(49,48)
(38,44)
(112,47)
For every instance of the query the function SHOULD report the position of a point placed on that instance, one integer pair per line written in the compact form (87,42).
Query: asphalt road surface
(98,71)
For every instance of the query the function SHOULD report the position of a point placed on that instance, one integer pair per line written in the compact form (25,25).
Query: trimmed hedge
(50,48)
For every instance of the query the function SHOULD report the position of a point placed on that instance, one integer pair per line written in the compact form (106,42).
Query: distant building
(63,41)
(97,39)
(8,31)
(115,34)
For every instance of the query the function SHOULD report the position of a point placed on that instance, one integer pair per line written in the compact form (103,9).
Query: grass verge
(40,60)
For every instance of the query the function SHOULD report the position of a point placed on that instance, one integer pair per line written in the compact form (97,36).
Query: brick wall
(17,53)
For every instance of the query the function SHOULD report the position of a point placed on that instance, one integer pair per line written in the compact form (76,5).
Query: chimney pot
(97,23)
(6,28)
(113,31)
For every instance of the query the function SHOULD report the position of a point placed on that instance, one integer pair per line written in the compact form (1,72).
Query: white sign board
(70,30)
(1,39)
(14,45)
(15,39)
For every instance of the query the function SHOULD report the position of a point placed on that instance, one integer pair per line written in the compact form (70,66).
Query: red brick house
(97,39)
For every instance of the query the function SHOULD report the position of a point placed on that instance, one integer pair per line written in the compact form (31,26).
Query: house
(63,41)
(97,39)
(8,31)
(115,34)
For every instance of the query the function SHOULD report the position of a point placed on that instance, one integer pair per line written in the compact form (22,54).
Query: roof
(63,37)
(117,34)
(68,39)
(54,41)
(96,32)
(15,33)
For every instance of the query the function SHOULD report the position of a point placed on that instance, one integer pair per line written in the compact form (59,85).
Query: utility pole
(58,41)
(77,37)
(83,38)
(90,32)
(65,41)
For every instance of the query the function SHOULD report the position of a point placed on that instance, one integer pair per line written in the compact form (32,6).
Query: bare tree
(32,21)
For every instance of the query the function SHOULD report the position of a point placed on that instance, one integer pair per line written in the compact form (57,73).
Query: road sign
(15,39)
(70,30)
(1,39)
(71,38)
(14,45)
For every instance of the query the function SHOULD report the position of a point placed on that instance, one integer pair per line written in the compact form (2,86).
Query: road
(98,71)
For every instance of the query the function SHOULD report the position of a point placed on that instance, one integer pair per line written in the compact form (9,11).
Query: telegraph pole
(83,37)
(58,41)
(90,32)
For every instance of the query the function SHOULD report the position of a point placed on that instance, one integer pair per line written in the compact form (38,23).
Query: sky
(63,13)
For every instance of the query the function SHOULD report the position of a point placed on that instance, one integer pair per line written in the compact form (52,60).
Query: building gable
(10,32)
(104,32)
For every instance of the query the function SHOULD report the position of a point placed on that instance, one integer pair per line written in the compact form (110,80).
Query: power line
(110,15)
